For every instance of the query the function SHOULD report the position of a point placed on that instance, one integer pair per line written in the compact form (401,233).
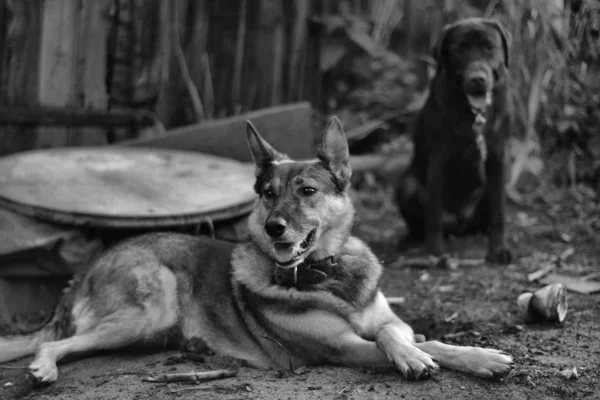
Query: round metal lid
(125,187)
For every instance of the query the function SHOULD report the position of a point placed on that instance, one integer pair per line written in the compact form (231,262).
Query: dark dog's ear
(262,152)
(440,49)
(334,152)
(506,38)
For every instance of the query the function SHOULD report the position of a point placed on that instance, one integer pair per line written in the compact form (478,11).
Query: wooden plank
(196,53)
(91,49)
(15,115)
(299,37)
(279,55)
(19,68)
(3,42)
(239,58)
(288,128)
(64,51)
(221,47)
(57,65)
(265,58)
(171,97)
(312,88)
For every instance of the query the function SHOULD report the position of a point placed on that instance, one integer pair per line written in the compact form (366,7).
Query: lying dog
(301,291)
(459,138)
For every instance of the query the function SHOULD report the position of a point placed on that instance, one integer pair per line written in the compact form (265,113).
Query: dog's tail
(58,326)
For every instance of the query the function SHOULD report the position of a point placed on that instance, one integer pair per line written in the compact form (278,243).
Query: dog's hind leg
(482,362)
(114,333)
(116,328)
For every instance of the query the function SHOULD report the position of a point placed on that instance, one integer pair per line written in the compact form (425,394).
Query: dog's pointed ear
(334,152)
(262,152)
(504,35)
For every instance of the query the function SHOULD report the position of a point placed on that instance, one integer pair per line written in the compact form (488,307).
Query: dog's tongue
(480,102)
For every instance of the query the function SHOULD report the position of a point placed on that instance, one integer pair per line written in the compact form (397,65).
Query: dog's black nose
(275,226)
(478,80)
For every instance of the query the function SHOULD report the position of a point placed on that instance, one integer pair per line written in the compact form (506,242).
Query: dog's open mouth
(480,101)
(308,239)
(287,253)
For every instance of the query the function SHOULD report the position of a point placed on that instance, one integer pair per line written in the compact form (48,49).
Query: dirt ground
(474,305)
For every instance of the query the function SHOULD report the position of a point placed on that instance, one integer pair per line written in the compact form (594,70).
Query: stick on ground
(193,377)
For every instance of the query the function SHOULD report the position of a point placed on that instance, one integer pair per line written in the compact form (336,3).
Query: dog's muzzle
(478,78)
(294,250)
(478,83)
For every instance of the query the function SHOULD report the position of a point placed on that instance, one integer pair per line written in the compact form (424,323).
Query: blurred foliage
(556,77)
(362,78)
(372,89)
(555,65)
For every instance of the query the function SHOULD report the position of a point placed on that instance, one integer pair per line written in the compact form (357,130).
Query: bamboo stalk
(239,58)
(164,107)
(198,25)
(209,93)
(183,68)
(295,75)
(19,52)
(278,55)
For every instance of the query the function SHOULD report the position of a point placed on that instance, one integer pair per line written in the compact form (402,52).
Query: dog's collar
(478,123)
(480,118)
(306,273)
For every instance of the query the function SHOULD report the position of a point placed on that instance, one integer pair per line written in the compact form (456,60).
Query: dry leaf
(446,288)
(395,300)
(451,318)
(573,284)
(570,373)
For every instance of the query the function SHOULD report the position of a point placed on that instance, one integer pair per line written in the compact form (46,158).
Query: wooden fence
(185,60)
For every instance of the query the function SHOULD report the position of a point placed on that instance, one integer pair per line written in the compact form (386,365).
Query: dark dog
(459,138)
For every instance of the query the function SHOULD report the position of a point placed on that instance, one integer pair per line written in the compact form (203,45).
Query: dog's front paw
(413,363)
(43,370)
(488,363)
(502,256)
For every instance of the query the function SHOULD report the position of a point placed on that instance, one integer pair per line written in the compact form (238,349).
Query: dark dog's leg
(411,198)
(435,204)
(497,250)
(479,221)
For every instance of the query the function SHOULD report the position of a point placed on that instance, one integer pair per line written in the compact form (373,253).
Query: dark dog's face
(303,206)
(474,53)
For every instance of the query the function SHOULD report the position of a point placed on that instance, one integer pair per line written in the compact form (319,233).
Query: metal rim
(104,221)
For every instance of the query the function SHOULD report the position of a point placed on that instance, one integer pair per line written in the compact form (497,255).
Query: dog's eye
(308,191)
(268,194)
